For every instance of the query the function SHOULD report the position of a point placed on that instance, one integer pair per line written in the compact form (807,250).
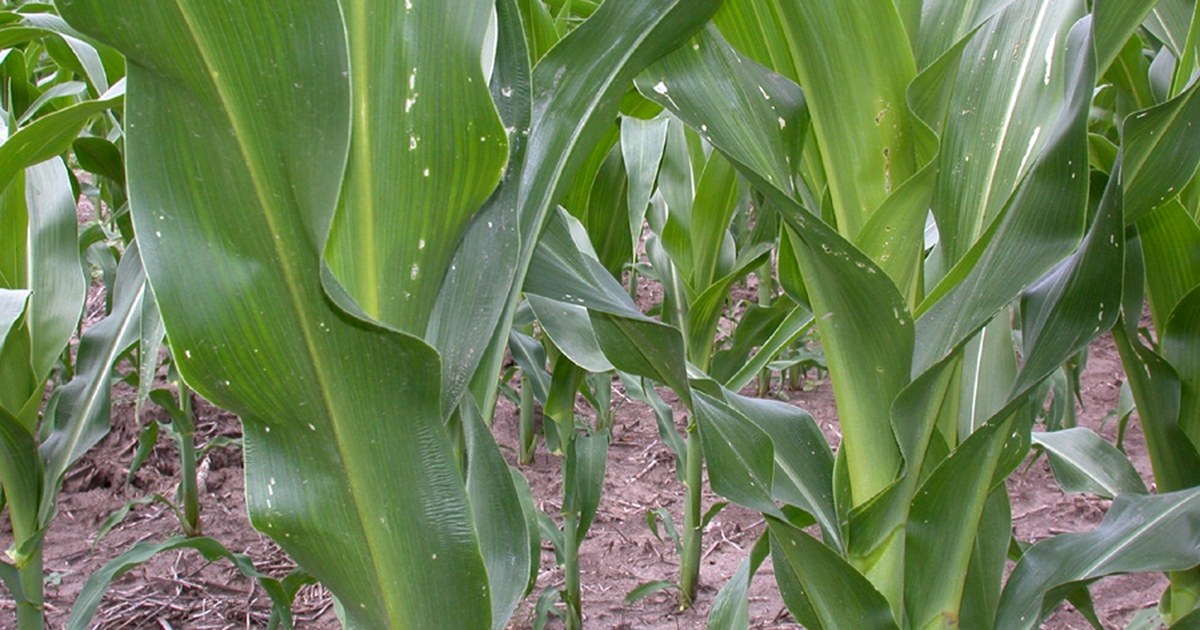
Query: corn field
(359,225)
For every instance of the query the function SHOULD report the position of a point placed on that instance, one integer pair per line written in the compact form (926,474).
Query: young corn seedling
(54,86)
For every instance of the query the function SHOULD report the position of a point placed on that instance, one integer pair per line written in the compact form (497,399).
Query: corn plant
(55,84)
(976,116)
(1155,111)
(361,184)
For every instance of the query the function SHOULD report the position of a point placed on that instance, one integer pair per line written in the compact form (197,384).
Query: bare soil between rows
(180,589)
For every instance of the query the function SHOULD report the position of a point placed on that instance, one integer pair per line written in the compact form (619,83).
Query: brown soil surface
(179,589)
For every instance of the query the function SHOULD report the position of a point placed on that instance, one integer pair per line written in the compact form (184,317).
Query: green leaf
(20,381)
(1026,242)
(388,546)
(52,134)
(586,478)
(1139,533)
(1114,22)
(93,591)
(803,476)
(838,596)
(1084,462)
(54,273)
(1180,340)
(642,143)
(1157,391)
(386,247)
(81,416)
(499,518)
(740,456)
(1169,239)
(1161,152)
(854,64)
(570,328)
(730,608)
(943,524)
(564,270)
(471,300)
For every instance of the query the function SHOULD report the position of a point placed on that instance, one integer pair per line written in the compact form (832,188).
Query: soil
(180,589)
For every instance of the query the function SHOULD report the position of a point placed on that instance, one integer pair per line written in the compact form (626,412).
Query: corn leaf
(1161,152)
(261,96)
(836,594)
(80,416)
(1083,462)
(1139,533)
(499,517)
(45,258)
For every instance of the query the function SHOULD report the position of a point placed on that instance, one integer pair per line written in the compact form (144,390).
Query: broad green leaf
(716,200)
(99,157)
(530,356)
(1189,60)
(738,454)
(565,271)
(260,96)
(803,475)
(1026,241)
(893,237)
(1161,152)
(859,313)
(540,32)
(981,594)
(471,301)
(710,83)
(93,591)
(1014,77)
(96,63)
(942,528)
(1115,21)
(730,608)
(499,518)
(1130,72)
(431,139)
(851,298)
(52,134)
(602,55)
(1139,533)
(706,309)
(586,478)
(1156,389)
(20,381)
(607,218)
(1083,462)
(946,22)
(1169,238)
(570,328)
(21,471)
(755,29)
(81,416)
(642,143)
(797,321)
(1079,299)
(854,63)
(1169,21)
(1180,340)
(989,366)
(838,596)
(54,273)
